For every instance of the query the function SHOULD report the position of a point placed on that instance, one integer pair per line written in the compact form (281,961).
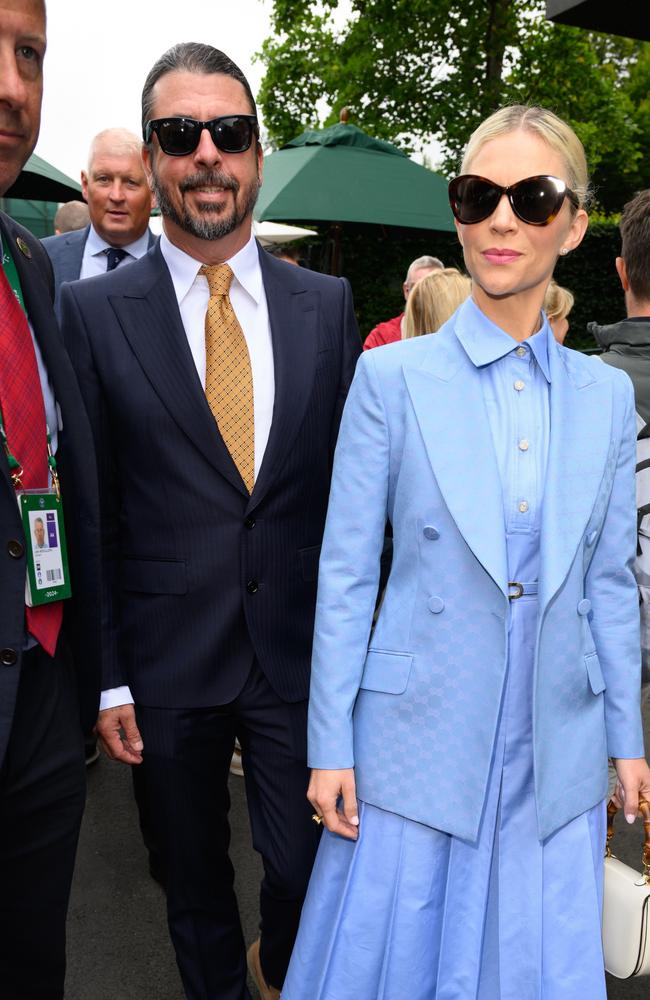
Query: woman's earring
(564,251)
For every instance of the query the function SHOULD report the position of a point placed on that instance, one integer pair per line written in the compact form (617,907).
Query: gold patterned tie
(228,375)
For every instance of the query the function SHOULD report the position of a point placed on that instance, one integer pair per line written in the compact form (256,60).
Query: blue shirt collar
(484,342)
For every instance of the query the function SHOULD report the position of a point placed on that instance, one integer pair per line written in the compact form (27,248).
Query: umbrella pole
(335,234)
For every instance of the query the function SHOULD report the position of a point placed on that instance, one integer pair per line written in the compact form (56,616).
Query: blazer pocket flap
(387,672)
(154,576)
(594,673)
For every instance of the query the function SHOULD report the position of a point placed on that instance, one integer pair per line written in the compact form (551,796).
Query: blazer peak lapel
(152,324)
(455,429)
(293,316)
(580,438)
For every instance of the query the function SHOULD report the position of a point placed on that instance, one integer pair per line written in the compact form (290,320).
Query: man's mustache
(209,178)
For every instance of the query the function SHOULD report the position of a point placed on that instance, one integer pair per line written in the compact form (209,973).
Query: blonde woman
(558,303)
(459,749)
(433,300)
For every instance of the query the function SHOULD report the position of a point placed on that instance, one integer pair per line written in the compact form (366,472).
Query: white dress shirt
(94,256)
(248,300)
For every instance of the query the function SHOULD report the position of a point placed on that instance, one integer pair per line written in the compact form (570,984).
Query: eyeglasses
(534,200)
(181,136)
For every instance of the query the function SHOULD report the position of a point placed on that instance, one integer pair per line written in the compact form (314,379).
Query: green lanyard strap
(15,468)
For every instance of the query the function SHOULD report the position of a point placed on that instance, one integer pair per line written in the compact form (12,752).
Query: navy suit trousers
(185,773)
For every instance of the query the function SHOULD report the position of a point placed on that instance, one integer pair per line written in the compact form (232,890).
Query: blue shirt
(515,380)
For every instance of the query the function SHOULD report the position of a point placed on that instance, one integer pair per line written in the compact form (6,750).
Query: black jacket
(76,461)
(626,345)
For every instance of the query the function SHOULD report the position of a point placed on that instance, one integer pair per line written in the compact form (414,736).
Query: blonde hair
(558,302)
(542,122)
(433,299)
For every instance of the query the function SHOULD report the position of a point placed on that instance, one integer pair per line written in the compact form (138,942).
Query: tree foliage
(412,71)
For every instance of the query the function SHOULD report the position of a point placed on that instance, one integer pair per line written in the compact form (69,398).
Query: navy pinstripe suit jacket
(200,576)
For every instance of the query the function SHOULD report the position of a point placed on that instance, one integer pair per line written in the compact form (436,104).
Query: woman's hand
(325,789)
(633,783)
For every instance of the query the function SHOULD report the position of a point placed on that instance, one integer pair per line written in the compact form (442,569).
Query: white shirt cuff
(115,696)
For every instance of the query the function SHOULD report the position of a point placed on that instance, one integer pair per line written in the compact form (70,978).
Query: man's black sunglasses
(181,136)
(534,200)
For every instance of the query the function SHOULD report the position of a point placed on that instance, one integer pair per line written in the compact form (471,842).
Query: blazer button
(584,606)
(436,605)
(249,523)
(15,548)
(430,532)
(252,586)
(8,657)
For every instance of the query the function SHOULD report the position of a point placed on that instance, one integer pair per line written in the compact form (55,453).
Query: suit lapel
(152,324)
(70,260)
(293,316)
(581,414)
(448,401)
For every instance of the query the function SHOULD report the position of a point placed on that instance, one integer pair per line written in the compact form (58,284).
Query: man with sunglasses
(215,377)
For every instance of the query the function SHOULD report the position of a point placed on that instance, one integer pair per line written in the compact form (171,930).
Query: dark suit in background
(66,253)
(42,699)
(211,590)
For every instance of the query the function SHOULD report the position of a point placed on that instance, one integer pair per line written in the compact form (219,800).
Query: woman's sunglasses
(534,200)
(181,136)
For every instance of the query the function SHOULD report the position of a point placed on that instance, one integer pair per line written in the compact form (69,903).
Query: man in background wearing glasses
(214,376)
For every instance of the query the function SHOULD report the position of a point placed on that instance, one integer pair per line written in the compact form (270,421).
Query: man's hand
(119,734)
(325,789)
(633,783)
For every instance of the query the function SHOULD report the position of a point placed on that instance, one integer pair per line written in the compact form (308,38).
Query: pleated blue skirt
(411,913)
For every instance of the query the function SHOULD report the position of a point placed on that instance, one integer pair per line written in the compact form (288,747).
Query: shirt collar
(96,245)
(485,342)
(183,269)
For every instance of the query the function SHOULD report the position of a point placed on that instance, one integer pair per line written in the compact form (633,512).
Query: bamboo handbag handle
(644,809)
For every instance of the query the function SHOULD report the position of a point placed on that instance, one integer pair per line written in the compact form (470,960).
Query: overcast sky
(98,55)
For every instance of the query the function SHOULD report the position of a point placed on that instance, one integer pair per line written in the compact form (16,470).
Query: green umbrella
(40,181)
(340,174)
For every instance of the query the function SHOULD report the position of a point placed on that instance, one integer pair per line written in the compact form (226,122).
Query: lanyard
(16,469)
(12,277)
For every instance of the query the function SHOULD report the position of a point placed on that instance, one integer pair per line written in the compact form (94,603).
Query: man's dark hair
(191,57)
(635,250)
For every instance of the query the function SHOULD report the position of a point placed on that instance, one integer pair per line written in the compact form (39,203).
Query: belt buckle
(518,590)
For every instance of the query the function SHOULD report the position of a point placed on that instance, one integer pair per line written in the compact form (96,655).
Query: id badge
(48,576)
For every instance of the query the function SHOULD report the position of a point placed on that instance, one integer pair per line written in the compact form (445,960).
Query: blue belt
(518,590)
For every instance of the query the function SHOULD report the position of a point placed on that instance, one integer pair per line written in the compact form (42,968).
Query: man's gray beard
(211,226)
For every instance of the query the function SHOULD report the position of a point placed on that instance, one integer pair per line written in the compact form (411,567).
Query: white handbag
(626,907)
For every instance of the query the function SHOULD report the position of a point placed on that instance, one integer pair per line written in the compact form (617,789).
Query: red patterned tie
(23,414)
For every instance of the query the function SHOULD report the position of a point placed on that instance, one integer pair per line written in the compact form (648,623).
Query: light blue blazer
(414,704)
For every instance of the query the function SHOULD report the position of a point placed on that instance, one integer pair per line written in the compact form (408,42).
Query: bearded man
(214,377)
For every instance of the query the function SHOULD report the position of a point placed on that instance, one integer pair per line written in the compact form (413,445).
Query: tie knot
(219,278)
(113,257)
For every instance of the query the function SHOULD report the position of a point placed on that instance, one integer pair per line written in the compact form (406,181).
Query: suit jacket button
(436,605)
(430,532)
(8,657)
(584,606)
(249,523)
(252,586)
(15,548)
